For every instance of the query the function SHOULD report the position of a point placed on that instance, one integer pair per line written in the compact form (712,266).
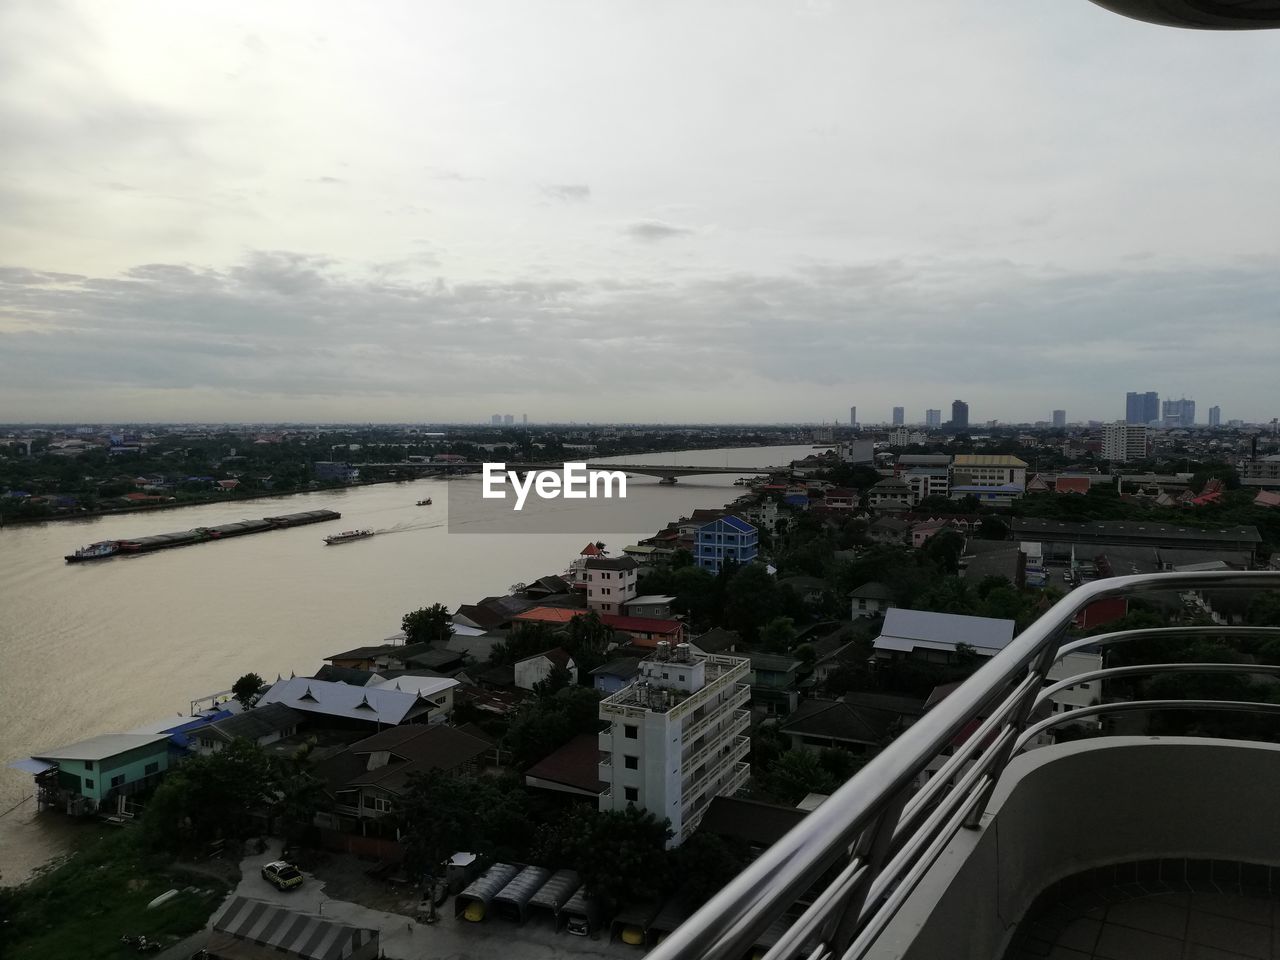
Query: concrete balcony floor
(1125,924)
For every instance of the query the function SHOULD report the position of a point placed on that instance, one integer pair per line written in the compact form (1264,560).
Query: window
(631,793)
(630,762)
(680,676)
(665,675)
(88,784)
(117,781)
(88,764)
(153,767)
(630,731)
(377,804)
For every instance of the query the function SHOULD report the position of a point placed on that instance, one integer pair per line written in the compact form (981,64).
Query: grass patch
(81,906)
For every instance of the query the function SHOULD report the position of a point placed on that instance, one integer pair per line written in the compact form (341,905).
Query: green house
(87,776)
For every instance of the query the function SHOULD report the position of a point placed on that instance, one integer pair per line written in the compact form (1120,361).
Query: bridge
(665,472)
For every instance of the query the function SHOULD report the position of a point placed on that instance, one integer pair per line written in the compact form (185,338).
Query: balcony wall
(1063,809)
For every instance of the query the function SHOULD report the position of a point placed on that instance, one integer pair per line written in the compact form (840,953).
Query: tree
(796,774)
(433,623)
(247,688)
(547,723)
(704,864)
(778,634)
(620,854)
(441,814)
(211,797)
(681,558)
(1264,610)
(944,548)
(751,600)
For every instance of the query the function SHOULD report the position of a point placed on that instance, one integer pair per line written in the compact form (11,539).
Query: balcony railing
(863,852)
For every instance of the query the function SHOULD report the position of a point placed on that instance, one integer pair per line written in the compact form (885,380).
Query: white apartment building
(610,582)
(1124,442)
(927,482)
(676,736)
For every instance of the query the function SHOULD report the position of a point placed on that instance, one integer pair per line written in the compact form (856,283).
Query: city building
(869,600)
(927,482)
(610,582)
(988,470)
(677,736)
(933,418)
(1179,413)
(1262,472)
(496,420)
(899,416)
(959,414)
(1059,419)
(508,420)
(725,538)
(1124,442)
(1215,416)
(853,416)
(857,451)
(1143,408)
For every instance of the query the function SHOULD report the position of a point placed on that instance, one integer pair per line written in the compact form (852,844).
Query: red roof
(591,550)
(548,615)
(641,624)
(1071,485)
(1267,498)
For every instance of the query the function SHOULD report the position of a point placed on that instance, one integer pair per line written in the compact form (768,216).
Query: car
(282,875)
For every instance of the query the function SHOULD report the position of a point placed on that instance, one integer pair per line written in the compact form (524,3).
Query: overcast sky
(657,210)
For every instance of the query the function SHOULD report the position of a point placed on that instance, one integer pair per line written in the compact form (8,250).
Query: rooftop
(103,746)
(906,629)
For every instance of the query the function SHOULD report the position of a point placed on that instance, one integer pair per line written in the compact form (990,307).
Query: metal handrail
(871,820)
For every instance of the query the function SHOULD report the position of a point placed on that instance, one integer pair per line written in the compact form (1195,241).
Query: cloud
(283,331)
(653,231)
(568,192)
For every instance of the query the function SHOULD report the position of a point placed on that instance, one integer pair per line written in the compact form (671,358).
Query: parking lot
(403,938)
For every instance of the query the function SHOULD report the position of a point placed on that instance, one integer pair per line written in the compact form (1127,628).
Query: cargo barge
(224,531)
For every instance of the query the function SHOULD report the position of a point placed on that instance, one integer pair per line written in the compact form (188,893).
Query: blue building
(725,538)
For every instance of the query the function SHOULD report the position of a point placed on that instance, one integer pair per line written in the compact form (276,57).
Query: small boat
(95,551)
(425,503)
(347,535)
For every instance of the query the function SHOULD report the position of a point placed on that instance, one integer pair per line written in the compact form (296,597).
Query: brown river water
(107,646)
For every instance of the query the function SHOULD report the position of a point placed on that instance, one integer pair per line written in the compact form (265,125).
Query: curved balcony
(898,863)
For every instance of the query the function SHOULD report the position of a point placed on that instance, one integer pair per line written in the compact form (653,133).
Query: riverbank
(229,498)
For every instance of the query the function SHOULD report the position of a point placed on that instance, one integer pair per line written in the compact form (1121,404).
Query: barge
(163,541)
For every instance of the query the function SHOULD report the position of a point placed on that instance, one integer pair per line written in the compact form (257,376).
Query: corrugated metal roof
(904,629)
(297,934)
(101,747)
(334,699)
(557,891)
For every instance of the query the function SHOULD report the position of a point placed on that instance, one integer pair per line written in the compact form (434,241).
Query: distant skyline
(724,212)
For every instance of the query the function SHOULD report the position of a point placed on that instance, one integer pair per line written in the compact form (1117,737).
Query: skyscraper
(899,416)
(1059,419)
(853,416)
(496,420)
(959,414)
(1141,407)
(508,419)
(1179,413)
(933,418)
(1215,416)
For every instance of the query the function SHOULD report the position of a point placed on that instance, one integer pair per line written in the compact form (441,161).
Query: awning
(31,765)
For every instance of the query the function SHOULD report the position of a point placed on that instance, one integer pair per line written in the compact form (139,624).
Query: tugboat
(95,551)
(424,503)
(348,535)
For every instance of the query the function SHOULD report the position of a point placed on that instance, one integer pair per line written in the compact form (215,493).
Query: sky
(648,211)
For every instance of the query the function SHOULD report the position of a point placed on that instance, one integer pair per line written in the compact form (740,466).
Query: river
(107,646)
